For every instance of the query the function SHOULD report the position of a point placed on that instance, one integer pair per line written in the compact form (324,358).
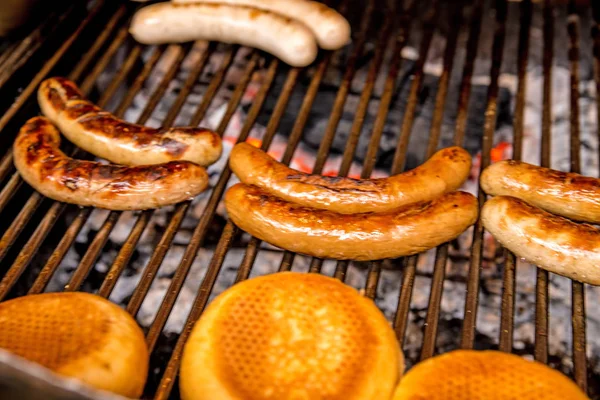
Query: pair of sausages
(341,218)
(154,167)
(522,217)
(41,164)
(289,29)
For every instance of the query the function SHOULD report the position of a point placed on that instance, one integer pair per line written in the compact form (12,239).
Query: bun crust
(78,335)
(291,336)
(484,375)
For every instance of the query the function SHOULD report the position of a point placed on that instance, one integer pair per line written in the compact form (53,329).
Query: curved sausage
(40,162)
(106,136)
(546,240)
(287,39)
(325,234)
(445,172)
(570,195)
(330,28)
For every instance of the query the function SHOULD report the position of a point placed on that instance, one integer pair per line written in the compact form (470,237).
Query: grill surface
(28,220)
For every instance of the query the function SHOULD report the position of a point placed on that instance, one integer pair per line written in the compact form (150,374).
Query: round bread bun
(78,335)
(484,375)
(291,336)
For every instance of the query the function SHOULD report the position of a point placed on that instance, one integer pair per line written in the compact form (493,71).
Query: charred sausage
(285,38)
(570,195)
(40,162)
(330,28)
(106,136)
(408,230)
(446,171)
(546,240)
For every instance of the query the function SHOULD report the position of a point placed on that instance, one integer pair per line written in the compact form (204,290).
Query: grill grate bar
(467,75)
(280,106)
(134,236)
(509,275)
(577,288)
(402,314)
(54,261)
(93,251)
(89,81)
(441,256)
(199,234)
(342,94)
(100,41)
(215,83)
(161,250)
(168,378)
(541,298)
(470,315)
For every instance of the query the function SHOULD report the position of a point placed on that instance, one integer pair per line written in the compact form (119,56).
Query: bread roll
(484,375)
(78,335)
(291,336)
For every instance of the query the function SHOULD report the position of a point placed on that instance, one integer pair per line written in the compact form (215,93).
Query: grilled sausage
(283,37)
(570,195)
(106,136)
(47,169)
(446,171)
(368,236)
(546,240)
(330,28)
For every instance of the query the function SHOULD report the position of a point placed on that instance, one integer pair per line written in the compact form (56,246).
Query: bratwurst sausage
(408,230)
(446,171)
(106,136)
(546,240)
(570,195)
(330,28)
(283,37)
(40,162)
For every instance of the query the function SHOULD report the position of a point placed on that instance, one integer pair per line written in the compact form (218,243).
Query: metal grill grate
(28,219)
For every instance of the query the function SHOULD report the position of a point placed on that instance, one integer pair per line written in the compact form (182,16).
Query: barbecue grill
(81,41)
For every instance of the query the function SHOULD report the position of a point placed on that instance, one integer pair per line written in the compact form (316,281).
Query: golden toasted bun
(484,375)
(78,335)
(291,336)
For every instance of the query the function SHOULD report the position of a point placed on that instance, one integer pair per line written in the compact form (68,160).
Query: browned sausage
(445,172)
(104,135)
(570,195)
(369,236)
(47,169)
(546,240)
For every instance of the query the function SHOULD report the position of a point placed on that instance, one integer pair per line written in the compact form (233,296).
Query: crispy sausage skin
(40,162)
(446,171)
(546,240)
(330,28)
(169,22)
(106,136)
(368,236)
(570,195)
